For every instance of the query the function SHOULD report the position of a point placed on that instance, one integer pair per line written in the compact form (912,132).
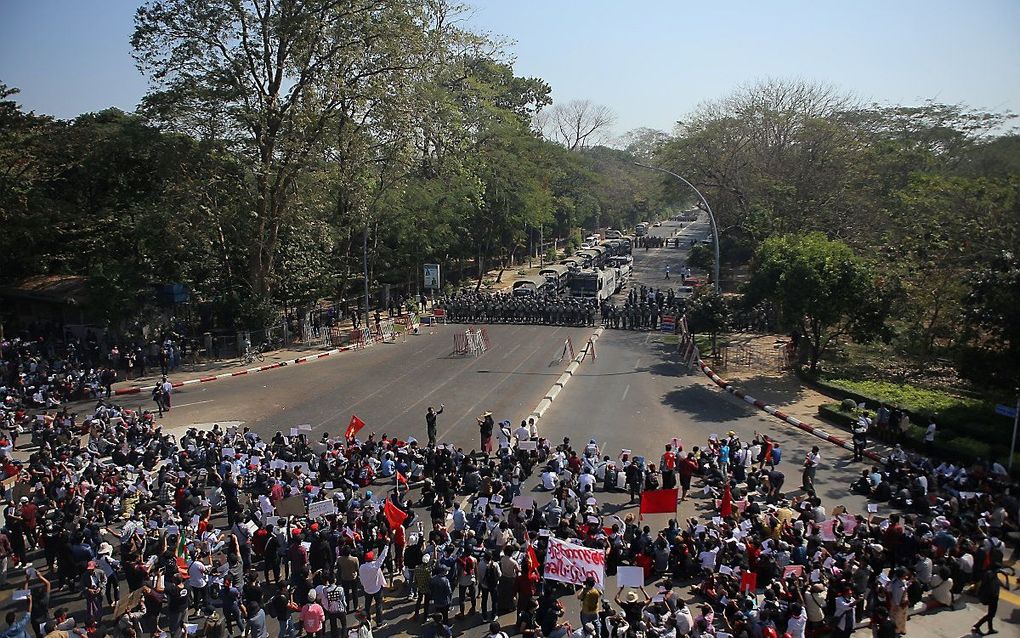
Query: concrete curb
(550,396)
(239,373)
(779,414)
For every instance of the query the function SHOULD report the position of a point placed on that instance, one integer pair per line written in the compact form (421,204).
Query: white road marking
(625,391)
(637,364)
(184,405)
(511,351)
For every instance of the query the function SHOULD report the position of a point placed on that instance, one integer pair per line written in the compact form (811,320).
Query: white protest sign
(630,576)
(293,431)
(305,427)
(527,446)
(571,563)
(228,452)
(321,508)
(523,502)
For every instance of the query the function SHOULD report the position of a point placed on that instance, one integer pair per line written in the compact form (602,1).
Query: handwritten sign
(321,508)
(570,563)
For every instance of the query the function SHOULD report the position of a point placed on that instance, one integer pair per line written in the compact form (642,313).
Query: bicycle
(254,354)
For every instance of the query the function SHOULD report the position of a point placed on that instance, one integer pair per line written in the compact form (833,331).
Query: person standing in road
(430,423)
(810,468)
(667,271)
(988,594)
(167,388)
(485,427)
(373,581)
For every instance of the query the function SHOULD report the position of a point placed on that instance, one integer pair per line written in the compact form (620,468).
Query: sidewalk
(785,391)
(217,366)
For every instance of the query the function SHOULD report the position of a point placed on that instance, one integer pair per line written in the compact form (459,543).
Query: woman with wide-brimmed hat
(485,426)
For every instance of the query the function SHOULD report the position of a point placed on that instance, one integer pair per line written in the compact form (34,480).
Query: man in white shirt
(549,480)
(198,580)
(586,482)
(522,433)
(167,388)
(373,581)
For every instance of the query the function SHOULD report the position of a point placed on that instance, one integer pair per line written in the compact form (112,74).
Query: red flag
(659,502)
(394,515)
(353,427)
(182,567)
(401,478)
(533,574)
(726,506)
(749,581)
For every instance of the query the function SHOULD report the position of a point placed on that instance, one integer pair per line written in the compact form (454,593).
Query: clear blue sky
(650,60)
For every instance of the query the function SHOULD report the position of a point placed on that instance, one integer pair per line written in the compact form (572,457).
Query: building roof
(70,289)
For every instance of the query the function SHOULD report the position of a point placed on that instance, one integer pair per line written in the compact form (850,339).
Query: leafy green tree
(272,79)
(708,312)
(993,306)
(820,287)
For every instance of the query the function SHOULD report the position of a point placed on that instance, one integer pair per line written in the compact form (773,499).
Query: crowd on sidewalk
(43,367)
(224,533)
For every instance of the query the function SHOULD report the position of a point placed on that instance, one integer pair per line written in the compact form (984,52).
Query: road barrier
(473,342)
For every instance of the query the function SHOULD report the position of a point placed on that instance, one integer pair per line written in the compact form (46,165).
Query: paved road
(389,386)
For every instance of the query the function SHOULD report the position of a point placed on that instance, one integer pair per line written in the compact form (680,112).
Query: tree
(271,78)
(708,312)
(993,305)
(576,124)
(820,287)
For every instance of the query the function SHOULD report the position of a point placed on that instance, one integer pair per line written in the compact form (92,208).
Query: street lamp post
(711,215)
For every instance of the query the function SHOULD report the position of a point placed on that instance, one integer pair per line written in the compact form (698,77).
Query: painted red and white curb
(779,414)
(241,373)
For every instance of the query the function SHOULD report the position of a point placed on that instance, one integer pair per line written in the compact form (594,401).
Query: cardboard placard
(524,502)
(128,603)
(321,508)
(793,570)
(291,506)
(83,440)
(8,483)
(630,576)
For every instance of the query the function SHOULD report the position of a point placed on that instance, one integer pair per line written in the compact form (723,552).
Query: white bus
(594,284)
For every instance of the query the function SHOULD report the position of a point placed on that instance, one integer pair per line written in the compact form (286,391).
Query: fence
(775,357)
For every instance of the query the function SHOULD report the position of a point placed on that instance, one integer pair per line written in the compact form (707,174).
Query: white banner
(571,563)
(321,508)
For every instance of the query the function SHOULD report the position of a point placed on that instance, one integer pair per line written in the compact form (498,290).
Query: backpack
(336,601)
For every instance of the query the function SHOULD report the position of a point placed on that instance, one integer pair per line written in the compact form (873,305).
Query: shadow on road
(704,404)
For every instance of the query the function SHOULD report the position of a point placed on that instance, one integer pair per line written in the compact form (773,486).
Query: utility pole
(711,215)
(541,246)
(364,267)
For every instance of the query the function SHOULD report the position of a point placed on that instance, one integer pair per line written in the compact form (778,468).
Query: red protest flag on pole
(726,506)
(659,501)
(394,515)
(353,427)
(401,478)
(534,575)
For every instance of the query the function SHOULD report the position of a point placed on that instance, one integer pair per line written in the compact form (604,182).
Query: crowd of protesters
(44,368)
(224,533)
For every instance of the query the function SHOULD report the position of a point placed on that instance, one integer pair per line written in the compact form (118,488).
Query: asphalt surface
(389,386)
